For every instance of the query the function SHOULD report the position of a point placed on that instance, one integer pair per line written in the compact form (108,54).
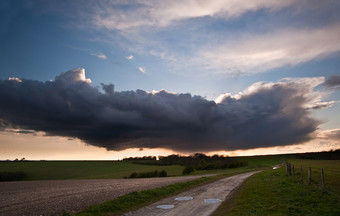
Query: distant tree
(187,170)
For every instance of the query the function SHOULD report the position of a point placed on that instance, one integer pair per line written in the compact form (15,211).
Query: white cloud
(142,70)
(259,53)
(305,87)
(74,75)
(15,78)
(130,57)
(161,13)
(99,55)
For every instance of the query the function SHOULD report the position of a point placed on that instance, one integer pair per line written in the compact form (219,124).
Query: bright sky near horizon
(108,79)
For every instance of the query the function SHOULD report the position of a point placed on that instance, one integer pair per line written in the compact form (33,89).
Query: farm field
(272,192)
(58,170)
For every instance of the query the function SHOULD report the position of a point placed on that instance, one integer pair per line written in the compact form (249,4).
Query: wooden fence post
(289,169)
(322,179)
(301,172)
(309,175)
(293,170)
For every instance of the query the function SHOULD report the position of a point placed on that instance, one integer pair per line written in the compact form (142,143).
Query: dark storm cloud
(266,114)
(333,81)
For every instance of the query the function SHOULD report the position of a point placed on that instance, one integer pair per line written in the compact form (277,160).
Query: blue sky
(204,48)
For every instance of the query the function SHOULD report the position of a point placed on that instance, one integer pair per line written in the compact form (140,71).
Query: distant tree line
(197,161)
(144,158)
(325,155)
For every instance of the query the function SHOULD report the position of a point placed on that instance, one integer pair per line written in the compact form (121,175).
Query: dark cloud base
(267,114)
(333,81)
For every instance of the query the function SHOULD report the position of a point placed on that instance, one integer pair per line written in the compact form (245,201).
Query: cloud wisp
(264,115)
(333,134)
(260,53)
(142,70)
(290,32)
(158,13)
(130,57)
(99,55)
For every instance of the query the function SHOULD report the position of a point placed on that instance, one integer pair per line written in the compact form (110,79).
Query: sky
(104,80)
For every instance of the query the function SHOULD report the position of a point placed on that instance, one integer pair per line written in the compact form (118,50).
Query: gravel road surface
(54,196)
(202,201)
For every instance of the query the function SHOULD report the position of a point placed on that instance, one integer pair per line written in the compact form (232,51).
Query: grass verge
(271,192)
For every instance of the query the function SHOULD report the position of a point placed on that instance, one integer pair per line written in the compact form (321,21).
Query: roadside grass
(58,170)
(271,192)
(135,200)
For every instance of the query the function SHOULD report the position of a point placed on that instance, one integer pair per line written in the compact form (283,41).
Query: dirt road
(53,197)
(202,201)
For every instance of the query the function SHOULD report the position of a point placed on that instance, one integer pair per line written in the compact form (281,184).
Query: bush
(187,170)
(12,176)
(133,175)
(163,173)
(155,173)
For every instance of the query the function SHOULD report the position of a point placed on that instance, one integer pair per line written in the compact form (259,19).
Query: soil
(56,196)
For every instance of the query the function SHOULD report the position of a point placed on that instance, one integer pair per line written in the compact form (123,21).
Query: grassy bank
(57,170)
(271,192)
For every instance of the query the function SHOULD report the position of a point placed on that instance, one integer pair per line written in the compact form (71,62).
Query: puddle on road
(165,206)
(183,198)
(212,200)
(276,167)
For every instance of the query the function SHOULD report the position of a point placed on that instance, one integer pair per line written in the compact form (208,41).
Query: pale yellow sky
(40,147)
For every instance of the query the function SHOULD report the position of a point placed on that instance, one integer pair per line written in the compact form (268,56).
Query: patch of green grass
(56,170)
(264,161)
(271,192)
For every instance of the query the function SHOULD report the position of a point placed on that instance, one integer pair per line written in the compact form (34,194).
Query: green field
(264,161)
(272,192)
(56,170)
